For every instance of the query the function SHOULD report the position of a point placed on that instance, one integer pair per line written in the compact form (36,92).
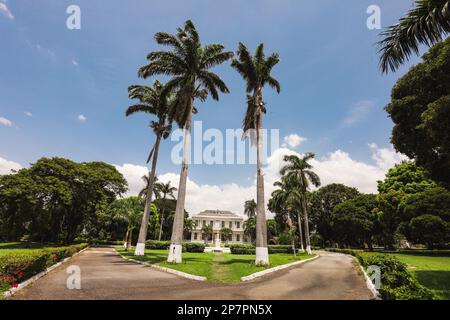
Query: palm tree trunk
(305,215)
(299,218)
(262,253)
(140,247)
(161,225)
(130,234)
(125,239)
(175,250)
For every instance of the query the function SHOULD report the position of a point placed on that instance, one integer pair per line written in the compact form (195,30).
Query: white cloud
(336,167)
(82,118)
(74,62)
(6,166)
(293,140)
(5,11)
(358,113)
(5,122)
(28,114)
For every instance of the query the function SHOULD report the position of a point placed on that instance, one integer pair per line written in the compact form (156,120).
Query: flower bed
(18,267)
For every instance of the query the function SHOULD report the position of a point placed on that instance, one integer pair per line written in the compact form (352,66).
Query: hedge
(396,282)
(249,249)
(165,245)
(18,267)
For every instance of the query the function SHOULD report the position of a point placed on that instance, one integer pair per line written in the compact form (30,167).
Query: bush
(194,247)
(249,249)
(18,267)
(396,282)
(280,248)
(157,245)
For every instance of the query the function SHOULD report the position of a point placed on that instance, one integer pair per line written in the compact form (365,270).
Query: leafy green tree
(426,23)
(434,201)
(250,229)
(256,71)
(55,199)
(165,191)
(154,102)
(355,222)
(420,112)
(227,234)
(207,233)
(272,231)
(322,203)
(429,229)
(250,208)
(299,173)
(187,63)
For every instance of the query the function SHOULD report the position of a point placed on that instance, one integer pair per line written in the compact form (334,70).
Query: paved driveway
(105,275)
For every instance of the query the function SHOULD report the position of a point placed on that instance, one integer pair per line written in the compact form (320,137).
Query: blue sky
(332,91)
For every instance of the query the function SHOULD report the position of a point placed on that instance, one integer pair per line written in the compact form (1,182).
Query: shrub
(396,282)
(18,267)
(280,248)
(242,249)
(157,245)
(194,247)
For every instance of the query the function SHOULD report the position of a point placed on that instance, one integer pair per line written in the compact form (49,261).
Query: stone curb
(29,281)
(168,270)
(284,266)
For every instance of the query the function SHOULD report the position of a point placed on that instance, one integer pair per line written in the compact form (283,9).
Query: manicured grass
(216,267)
(431,271)
(7,248)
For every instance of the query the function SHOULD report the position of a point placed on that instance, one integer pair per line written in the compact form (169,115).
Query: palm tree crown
(250,208)
(424,24)
(298,170)
(187,63)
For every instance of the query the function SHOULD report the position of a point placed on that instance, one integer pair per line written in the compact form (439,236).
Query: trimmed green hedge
(396,282)
(249,249)
(18,267)
(165,245)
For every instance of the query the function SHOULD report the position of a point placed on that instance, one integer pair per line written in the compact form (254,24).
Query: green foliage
(396,282)
(429,229)
(434,201)
(355,224)
(18,267)
(249,249)
(194,247)
(322,203)
(55,199)
(165,245)
(420,110)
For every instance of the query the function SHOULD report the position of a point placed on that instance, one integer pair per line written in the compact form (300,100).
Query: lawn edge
(163,269)
(277,268)
(376,294)
(20,286)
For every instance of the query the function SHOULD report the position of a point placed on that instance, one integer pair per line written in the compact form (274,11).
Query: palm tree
(286,200)
(298,173)
(188,64)
(226,233)
(207,232)
(250,208)
(143,192)
(427,23)
(256,71)
(165,191)
(152,101)
(250,228)
(128,210)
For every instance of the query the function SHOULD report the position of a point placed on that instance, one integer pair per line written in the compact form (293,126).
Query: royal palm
(256,71)
(299,175)
(187,63)
(151,101)
(427,23)
(165,191)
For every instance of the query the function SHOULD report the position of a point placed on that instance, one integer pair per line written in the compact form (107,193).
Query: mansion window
(204,222)
(195,236)
(223,224)
(238,237)
(238,225)
(230,225)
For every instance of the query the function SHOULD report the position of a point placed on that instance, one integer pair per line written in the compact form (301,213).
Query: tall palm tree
(165,191)
(298,172)
(427,23)
(187,63)
(256,71)
(287,199)
(207,233)
(143,192)
(154,102)
(250,208)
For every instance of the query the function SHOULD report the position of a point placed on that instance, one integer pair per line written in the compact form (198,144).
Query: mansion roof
(217,214)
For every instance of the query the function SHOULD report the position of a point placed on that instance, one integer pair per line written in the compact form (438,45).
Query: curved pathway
(105,275)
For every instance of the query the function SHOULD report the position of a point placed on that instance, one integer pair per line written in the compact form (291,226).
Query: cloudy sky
(63,92)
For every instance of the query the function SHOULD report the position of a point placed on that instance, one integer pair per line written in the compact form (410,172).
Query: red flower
(12,278)
(14,285)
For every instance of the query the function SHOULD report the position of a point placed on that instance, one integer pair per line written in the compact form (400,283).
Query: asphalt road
(105,275)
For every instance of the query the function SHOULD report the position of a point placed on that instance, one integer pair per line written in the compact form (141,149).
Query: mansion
(218,220)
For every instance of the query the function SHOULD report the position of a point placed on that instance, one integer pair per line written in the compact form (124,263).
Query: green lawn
(216,267)
(7,248)
(431,271)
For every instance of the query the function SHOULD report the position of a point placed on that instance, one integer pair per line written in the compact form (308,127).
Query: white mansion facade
(218,220)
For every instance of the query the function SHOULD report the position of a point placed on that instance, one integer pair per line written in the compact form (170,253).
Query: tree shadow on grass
(437,280)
